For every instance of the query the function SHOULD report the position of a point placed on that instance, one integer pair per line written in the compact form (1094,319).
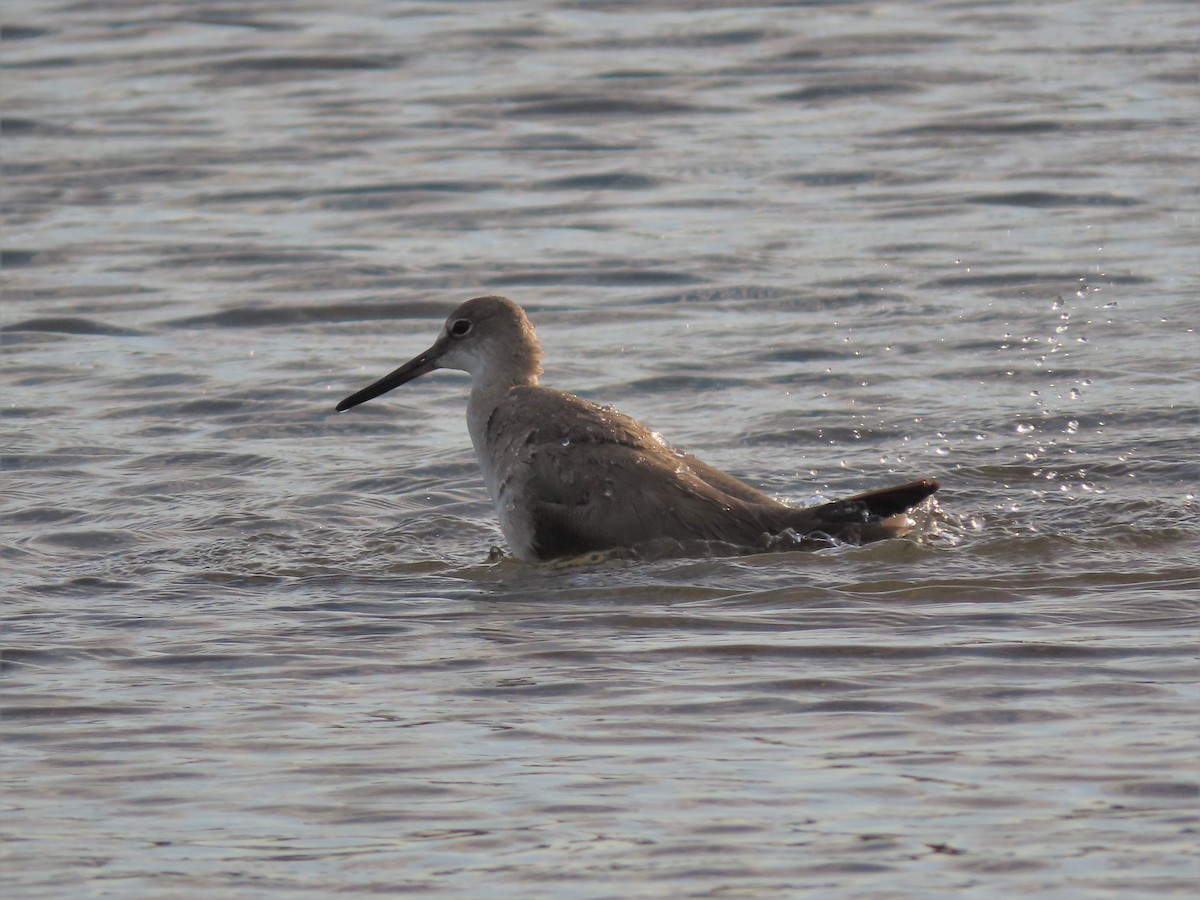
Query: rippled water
(252,647)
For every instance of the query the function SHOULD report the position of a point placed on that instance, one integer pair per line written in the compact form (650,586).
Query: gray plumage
(568,476)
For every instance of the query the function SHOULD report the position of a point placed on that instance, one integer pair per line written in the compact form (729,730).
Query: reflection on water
(255,647)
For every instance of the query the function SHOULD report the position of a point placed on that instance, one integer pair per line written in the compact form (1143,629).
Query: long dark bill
(414,368)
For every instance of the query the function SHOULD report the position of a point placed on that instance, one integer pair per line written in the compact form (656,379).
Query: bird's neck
(488,390)
(487,393)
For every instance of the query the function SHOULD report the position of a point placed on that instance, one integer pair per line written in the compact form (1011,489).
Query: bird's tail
(869,516)
(891,501)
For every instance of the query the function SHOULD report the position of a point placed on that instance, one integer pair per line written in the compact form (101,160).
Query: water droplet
(1075,395)
(1024,428)
(1073,427)
(566,442)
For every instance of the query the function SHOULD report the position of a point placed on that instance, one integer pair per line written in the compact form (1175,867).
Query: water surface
(255,648)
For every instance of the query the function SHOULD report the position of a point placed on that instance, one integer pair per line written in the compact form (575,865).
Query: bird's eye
(459,328)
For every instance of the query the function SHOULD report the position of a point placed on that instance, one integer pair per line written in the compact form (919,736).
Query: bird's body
(567,476)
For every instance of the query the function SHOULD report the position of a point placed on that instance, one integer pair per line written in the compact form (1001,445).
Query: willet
(568,476)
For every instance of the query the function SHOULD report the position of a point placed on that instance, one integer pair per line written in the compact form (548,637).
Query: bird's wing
(727,484)
(597,496)
(536,415)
